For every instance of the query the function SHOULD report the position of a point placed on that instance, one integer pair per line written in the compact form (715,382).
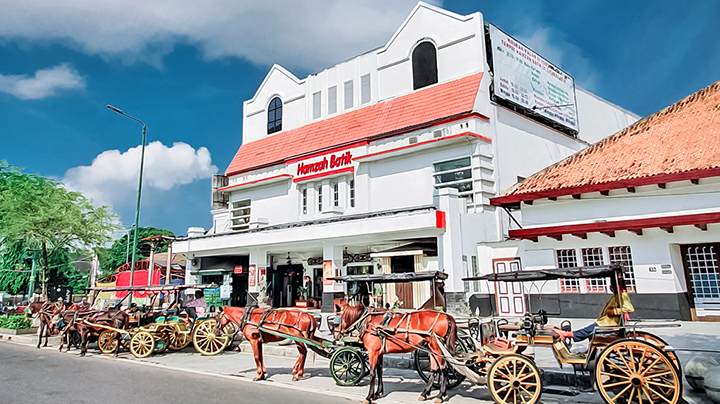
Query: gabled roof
(409,112)
(681,142)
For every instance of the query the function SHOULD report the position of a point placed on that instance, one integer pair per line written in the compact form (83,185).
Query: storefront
(402,146)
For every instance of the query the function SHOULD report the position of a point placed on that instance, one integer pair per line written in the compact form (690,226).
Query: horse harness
(265,319)
(385,333)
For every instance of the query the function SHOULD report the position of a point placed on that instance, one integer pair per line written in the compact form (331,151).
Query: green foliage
(15,322)
(112,258)
(46,218)
(12,260)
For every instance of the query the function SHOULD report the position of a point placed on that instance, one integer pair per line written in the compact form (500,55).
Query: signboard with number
(525,78)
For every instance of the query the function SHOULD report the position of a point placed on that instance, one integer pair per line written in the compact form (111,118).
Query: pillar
(450,251)
(332,266)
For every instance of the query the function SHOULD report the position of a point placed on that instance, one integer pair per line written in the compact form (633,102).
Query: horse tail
(451,335)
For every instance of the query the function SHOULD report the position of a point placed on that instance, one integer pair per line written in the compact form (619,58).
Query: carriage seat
(500,346)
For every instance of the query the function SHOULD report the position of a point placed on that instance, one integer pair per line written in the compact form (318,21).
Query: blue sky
(185,67)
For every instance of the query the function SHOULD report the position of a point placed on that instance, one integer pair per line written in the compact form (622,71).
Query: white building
(387,161)
(647,197)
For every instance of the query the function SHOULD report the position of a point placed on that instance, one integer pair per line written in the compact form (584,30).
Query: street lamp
(139,192)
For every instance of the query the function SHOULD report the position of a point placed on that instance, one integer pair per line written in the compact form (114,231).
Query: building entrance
(239,295)
(404,290)
(286,279)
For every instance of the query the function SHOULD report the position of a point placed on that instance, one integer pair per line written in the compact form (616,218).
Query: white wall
(599,118)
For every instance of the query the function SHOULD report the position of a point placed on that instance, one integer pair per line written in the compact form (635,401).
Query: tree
(48,218)
(121,253)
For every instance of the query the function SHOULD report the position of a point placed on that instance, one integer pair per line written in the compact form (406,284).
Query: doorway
(238,297)
(403,290)
(509,296)
(286,279)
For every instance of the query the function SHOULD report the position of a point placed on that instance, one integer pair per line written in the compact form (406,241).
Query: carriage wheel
(423,367)
(209,339)
(229,331)
(107,341)
(514,379)
(347,366)
(179,340)
(142,344)
(653,339)
(632,371)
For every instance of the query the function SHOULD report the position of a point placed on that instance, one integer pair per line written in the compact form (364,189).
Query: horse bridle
(356,326)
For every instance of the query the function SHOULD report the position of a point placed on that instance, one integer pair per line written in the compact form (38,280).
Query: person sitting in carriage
(619,306)
(197,307)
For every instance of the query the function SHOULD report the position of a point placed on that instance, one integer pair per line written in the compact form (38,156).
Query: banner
(527,79)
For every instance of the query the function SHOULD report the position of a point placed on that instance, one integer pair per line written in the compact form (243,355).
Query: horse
(66,322)
(385,332)
(45,311)
(114,318)
(294,323)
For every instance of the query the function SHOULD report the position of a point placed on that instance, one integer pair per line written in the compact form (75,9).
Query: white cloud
(112,177)
(45,83)
(308,34)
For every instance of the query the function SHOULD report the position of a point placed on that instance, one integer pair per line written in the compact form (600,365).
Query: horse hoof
(375,397)
(259,377)
(438,400)
(367,402)
(421,398)
(295,378)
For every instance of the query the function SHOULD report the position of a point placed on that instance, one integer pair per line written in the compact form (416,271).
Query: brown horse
(296,323)
(92,326)
(45,311)
(66,323)
(383,332)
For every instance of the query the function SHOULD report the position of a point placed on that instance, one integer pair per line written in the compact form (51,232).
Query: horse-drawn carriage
(626,363)
(155,331)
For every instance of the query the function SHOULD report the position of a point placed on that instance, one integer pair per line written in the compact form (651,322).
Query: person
(196,308)
(613,311)
(83,305)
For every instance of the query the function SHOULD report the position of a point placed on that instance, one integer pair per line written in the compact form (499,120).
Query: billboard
(523,77)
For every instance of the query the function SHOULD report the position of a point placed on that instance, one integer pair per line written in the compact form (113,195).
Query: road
(31,375)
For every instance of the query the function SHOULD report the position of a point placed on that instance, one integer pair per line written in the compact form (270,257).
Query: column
(332,266)
(257,271)
(450,251)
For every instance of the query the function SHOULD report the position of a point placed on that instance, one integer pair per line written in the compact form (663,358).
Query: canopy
(140,278)
(394,278)
(604,271)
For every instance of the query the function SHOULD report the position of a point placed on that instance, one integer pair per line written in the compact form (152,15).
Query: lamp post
(139,192)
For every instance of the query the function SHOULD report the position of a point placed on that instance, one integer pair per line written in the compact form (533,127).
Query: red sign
(327,272)
(238,269)
(324,164)
(251,276)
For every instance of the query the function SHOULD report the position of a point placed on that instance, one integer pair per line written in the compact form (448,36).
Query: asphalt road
(41,376)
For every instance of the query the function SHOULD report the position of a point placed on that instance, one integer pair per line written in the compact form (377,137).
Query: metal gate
(702,267)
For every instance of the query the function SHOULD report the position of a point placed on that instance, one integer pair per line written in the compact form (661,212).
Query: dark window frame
(274,121)
(424,65)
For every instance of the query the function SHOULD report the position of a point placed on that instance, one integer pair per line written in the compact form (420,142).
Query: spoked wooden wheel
(347,366)
(107,341)
(632,371)
(142,344)
(424,367)
(179,340)
(514,379)
(653,339)
(209,339)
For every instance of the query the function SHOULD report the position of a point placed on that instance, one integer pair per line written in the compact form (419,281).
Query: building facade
(646,197)
(387,163)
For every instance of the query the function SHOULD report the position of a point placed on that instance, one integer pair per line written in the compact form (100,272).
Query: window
(424,65)
(304,201)
(332,100)
(348,94)
(593,257)
(336,194)
(240,215)
(274,116)
(475,272)
(317,103)
(568,259)
(622,255)
(352,193)
(365,89)
(455,174)
(319,199)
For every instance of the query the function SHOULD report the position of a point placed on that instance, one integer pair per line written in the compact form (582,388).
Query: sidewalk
(401,385)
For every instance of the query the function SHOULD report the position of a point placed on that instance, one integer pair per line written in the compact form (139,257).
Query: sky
(185,67)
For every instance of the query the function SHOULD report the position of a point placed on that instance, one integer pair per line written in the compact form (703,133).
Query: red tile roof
(681,142)
(408,112)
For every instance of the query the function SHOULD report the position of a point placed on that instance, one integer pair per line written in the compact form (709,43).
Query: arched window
(424,65)
(275,116)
